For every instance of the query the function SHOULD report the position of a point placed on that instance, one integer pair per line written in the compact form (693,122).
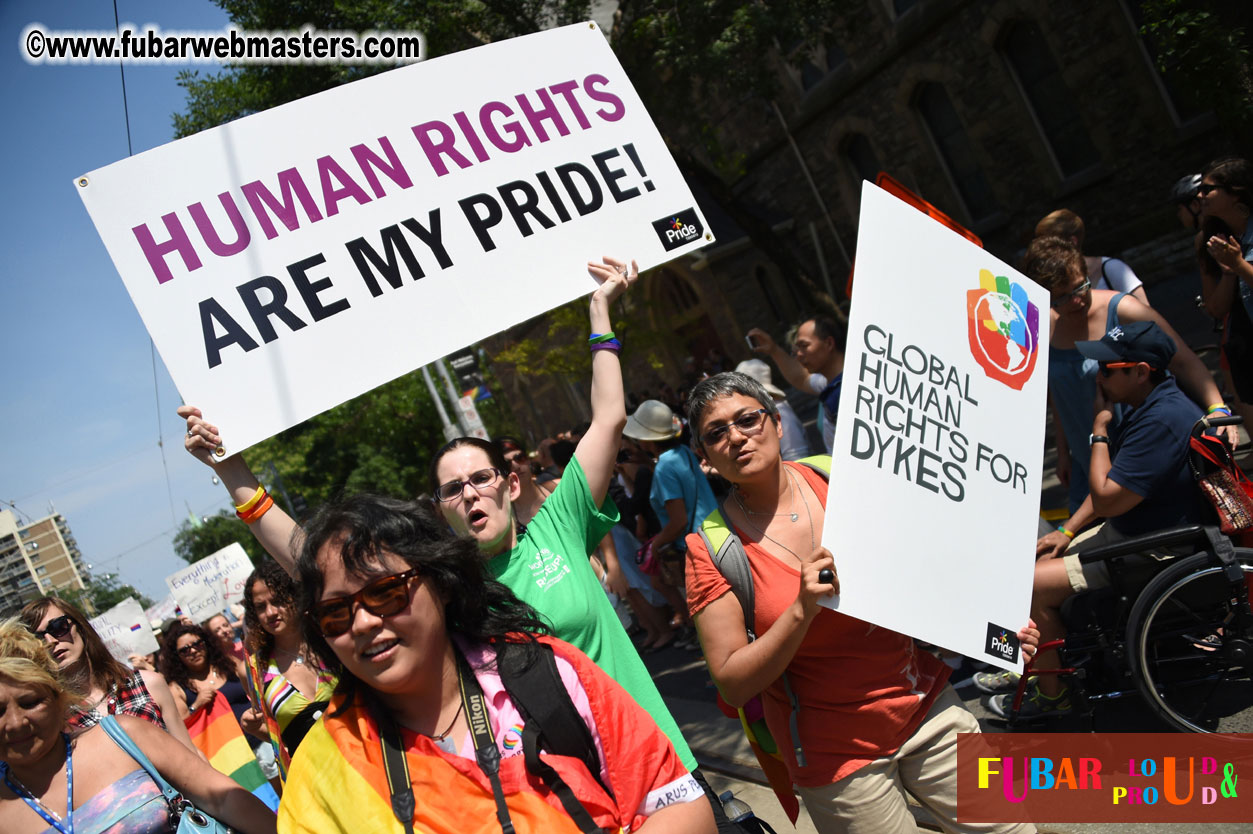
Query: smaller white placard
(125,629)
(211,585)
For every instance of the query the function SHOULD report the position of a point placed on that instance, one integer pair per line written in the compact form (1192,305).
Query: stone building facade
(995,111)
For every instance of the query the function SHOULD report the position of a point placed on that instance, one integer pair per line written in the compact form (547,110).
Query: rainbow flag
(216,733)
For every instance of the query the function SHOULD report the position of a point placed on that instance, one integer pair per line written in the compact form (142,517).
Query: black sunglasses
(384,597)
(58,627)
(192,648)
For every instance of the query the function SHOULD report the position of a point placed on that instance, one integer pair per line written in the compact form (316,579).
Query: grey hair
(722,385)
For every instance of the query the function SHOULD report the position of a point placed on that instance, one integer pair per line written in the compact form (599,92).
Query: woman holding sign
(859,714)
(476,488)
(109,687)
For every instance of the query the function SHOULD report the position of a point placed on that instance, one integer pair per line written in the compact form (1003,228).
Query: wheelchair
(1180,638)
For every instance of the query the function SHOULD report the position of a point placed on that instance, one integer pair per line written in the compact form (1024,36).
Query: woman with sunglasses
(108,686)
(545,563)
(1079,313)
(873,715)
(1225,254)
(192,661)
(54,781)
(293,684)
(418,632)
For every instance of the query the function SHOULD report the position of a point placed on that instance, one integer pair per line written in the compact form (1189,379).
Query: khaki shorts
(1093,575)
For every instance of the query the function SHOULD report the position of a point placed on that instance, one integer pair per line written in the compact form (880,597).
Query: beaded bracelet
(256,512)
(598,338)
(1067,533)
(251,502)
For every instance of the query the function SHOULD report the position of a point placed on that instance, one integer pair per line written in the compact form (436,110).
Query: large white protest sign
(125,629)
(935,479)
(293,259)
(207,587)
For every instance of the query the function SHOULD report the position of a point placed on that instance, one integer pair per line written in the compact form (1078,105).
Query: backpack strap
(550,723)
(731,559)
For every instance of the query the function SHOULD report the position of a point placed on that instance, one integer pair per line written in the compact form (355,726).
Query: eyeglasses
(1205,188)
(1075,293)
(748,425)
(58,627)
(384,597)
(191,648)
(1108,368)
(480,480)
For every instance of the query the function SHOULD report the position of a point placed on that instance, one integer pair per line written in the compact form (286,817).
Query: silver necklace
(791,513)
(766,536)
(298,658)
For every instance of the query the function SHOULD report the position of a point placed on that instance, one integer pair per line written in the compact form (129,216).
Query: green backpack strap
(731,559)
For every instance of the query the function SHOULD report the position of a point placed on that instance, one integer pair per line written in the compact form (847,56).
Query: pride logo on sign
(1004,329)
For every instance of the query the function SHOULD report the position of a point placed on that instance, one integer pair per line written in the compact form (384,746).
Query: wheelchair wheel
(1192,656)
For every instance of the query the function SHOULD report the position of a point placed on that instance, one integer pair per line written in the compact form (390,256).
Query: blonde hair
(25,660)
(1062,223)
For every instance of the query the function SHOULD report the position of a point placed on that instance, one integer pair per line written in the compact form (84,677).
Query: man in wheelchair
(1140,481)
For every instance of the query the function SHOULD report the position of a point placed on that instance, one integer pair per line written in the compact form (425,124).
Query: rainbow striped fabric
(216,733)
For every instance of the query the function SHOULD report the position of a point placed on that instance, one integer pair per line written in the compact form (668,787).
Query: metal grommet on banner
(82,182)
(220,452)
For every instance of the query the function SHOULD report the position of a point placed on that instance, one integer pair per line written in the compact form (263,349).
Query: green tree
(1202,48)
(102,592)
(193,542)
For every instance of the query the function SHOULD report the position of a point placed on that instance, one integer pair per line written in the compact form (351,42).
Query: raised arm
(742,669)
(793,371)
(598,449)
(276,530)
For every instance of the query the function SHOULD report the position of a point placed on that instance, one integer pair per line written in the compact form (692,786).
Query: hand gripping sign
(296,258)
(935,474)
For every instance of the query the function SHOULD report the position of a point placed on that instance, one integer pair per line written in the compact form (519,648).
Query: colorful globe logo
(1004,329)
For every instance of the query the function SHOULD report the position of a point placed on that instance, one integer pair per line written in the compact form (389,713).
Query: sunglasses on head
(384,597)
(1075,293)
(1108,368)
(58,627)
(480,480)
(191,648)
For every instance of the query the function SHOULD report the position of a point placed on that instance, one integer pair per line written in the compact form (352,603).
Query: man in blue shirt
(1139,482)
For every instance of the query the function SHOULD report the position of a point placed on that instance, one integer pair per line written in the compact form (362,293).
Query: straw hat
(653,420)
(760,371)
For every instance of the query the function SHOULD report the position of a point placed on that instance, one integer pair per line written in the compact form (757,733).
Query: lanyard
(65,826)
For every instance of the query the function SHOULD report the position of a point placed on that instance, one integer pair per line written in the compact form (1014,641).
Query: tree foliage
(1202,48)
(194,542)
(102,592)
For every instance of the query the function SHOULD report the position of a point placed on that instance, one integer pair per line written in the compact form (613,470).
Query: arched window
(679,295)
(1047,95)
(861,157)
(955,150)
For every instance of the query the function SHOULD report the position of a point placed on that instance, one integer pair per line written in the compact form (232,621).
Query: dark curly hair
(259,642)
(172,665)
(359,528)
(1052,263)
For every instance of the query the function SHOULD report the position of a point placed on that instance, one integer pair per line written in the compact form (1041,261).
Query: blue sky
(78,416)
